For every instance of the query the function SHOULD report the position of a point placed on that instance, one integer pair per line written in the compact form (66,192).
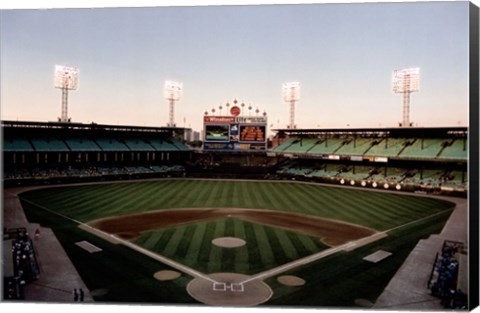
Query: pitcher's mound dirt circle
(229,242)
(229,290)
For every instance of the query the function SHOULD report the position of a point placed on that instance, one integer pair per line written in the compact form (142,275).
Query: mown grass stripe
(193,189)
(164,239)
(216,253)
(242,255)
(174,241)
(298,244)
(266,254)
(254,257)
(277,248)
(286,245)
(193,252)
(184,244)
(206,245)
(246,197)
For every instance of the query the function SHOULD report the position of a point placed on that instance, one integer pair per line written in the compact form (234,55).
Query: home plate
(377,256)
(88,246)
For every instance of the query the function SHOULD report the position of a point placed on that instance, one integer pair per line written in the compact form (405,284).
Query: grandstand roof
(426,132)
(91,126)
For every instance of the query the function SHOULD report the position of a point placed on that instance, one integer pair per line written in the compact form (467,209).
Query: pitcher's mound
(229,289)
(228,242)
(166,275)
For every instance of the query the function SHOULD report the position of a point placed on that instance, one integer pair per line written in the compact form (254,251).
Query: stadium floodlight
(406,81)
(172,92)
(291,94)
(66,78)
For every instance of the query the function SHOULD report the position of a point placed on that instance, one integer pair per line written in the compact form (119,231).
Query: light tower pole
(406,81)
(291,94)
(66,78)
(173,92)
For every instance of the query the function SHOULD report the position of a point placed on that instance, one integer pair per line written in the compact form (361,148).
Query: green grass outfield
(128,276)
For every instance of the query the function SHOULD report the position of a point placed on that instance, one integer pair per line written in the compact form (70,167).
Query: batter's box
(236,287)
(219,286)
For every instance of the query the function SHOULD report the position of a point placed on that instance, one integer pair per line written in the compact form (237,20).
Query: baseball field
(222,242)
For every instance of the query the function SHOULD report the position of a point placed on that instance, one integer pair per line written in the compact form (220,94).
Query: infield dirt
(330,232)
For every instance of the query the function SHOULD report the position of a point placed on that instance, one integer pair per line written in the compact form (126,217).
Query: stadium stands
(413,159)
(111,144)
(456,149)
(48,144)
(17,144)
(36,152)
(387,147)
(81,144)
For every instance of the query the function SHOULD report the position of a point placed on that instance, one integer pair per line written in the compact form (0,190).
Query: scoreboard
(235,133)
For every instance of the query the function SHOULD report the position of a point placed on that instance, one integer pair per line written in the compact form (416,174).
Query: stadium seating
(301,145)
(49,144)
(422,148)
(81,144)
(287,143)
(327,145)
(110,144)
(386,147)
(356,146)
(17,145)
(163,145)
(456,149)
(137,145)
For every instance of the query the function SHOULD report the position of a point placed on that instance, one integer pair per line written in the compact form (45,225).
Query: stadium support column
(64,117)
(406,109)
(292,114)
(171,119)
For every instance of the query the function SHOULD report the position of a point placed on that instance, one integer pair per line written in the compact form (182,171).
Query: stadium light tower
(66,78)
(406,81)
(173,92)
(291,94)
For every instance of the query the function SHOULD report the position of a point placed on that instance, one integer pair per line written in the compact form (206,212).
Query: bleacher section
(326,146)
(386,147)
(81,144)
(422,148)
(397,148)
(456,149)
(163,145)
(17,144)
(356,146)
(111,144)
(48,144)
(137,145)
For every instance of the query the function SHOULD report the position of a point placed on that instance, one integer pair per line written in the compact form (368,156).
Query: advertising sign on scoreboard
(235,133)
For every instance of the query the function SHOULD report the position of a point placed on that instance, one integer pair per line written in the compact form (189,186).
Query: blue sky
(342,54)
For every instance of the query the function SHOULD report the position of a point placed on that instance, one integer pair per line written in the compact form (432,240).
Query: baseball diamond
(289,229)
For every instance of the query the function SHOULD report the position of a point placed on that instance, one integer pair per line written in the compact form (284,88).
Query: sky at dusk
(343,55)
